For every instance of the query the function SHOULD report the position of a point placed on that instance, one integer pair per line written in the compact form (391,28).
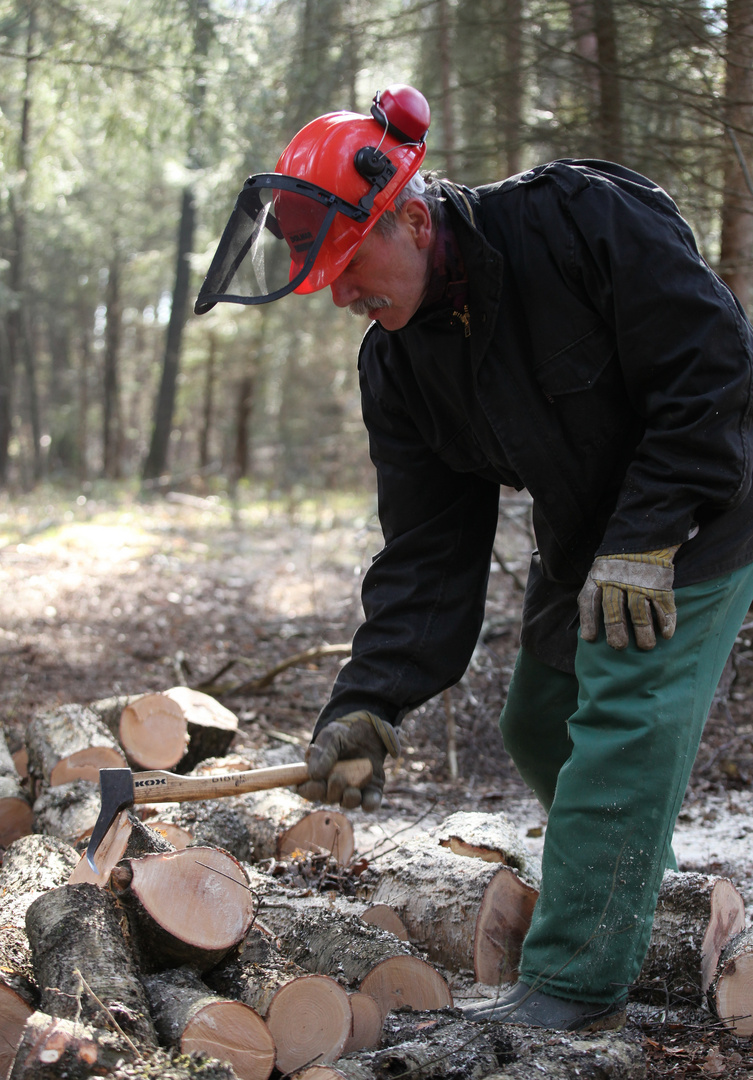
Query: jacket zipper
(465,318)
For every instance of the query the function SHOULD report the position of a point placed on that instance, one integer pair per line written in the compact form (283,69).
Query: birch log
(31,867)
(186,907)
(696,916)
(187,1015)
(15,805)
(210,727)
(153,732)
(17,1003)
(731,991)
(68,810)
(361,956)
(491,837)
(82,963)
(468,913)
(69,743)
(309,1016)
(52,1048)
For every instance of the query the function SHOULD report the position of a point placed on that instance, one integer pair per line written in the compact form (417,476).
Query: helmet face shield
(270,243)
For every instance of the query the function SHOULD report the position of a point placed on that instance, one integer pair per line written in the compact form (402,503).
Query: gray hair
(418,187)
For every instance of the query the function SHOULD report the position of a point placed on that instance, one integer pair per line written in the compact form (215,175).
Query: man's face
(388,276)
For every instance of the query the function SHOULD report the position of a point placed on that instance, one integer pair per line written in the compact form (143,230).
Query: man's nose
(343,293)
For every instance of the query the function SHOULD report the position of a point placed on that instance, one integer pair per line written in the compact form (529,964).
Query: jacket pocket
(578,366)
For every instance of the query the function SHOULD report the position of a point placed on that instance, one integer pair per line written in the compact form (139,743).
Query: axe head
(116,791)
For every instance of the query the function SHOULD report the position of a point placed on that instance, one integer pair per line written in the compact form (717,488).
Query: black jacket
(607,370)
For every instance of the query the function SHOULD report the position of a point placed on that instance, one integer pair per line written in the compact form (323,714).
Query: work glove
(640,584)
(355,735)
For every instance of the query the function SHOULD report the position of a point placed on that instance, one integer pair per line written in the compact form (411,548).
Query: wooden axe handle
(158,786)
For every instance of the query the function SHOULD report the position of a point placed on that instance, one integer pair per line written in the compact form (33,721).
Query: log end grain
(386,918)
(406,981)
(85,765)
(727,919)
(310,1019)
(153,732)
(15,1010)
(731,993)
(16,818)
(321,831)
(367,1023)
(502,923)
(232,1032)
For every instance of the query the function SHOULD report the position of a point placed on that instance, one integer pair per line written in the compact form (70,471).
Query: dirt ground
(102,596)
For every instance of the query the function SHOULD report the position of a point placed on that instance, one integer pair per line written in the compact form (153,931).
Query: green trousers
(608,751)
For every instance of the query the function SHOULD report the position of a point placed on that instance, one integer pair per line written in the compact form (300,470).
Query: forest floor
(102,594)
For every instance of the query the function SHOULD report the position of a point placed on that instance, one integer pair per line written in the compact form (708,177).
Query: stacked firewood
(241,937)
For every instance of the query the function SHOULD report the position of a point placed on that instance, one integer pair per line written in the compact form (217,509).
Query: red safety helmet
(331,185)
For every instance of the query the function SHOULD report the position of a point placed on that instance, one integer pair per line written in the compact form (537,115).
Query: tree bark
(52,1048)
(82,964)
(211,727)
(187,1015)
(156,461)
(31,866)
(610,92)
(69,811)
(736,257)
(127,838)
(111,419)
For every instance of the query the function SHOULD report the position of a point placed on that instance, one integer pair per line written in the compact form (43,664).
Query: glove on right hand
(357,734)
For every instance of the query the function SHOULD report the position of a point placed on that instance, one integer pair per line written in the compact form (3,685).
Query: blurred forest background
(127,127)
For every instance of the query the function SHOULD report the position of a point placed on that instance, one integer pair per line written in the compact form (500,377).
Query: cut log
(186,907)
(187,1015)
(68,810)
(309,1016)
(467,912)
(435,1048)
(32,865)
(491,837)
(82,963)
(127,838)
(386,918)
(731,990)
(208,823)
(365,957)
(367,1023)
(211,727)
(696,916)
(153,732)
(52,1048)
(17,1004)
(15,804)
(69,743)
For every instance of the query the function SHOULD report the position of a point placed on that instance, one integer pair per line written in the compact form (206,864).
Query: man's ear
(416,215)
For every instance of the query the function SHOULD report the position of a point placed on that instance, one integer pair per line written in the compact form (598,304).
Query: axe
(122,788)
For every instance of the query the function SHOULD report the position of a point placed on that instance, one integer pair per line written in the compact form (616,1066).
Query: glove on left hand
(642,583)
(357,734)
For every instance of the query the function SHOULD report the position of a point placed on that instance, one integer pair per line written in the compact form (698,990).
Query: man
(557,331)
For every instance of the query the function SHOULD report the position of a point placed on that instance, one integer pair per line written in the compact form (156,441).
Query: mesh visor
(271,241)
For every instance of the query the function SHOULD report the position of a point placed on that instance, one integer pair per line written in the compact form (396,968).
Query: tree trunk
(82,964)
(736,257)
(187,907)
(512,88)
(187,1015)
(156,461)
(207,418)
(242,454)
(111,425)
(610,92)
(696,916)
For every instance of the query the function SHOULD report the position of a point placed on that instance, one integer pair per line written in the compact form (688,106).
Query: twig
(109,1015)
(252,686)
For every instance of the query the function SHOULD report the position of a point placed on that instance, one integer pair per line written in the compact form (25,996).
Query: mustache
(369,303)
